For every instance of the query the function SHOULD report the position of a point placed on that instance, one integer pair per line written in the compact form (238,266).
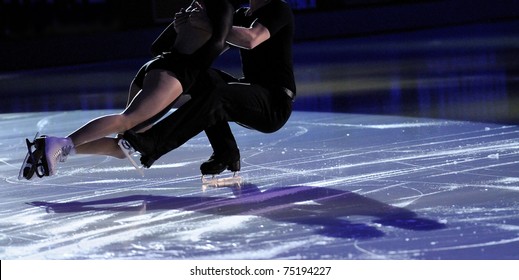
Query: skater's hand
(180,19)
(199,19)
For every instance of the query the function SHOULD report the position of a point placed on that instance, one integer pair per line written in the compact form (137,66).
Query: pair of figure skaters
(261,99)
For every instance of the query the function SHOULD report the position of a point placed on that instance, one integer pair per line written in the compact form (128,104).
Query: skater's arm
(220,13)
(268,23)
(248,37)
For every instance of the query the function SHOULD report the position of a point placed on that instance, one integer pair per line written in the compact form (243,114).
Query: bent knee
(127,122)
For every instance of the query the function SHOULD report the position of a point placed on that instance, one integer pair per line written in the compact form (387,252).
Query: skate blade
(215,182)
(27,172)
(129,152)
(24,173)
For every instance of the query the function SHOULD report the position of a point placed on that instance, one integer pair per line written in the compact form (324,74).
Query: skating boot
(130,154)
(216,165)
(142,145)
(56,149)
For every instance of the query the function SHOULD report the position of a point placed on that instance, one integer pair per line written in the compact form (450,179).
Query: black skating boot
(217,164)
(141,144)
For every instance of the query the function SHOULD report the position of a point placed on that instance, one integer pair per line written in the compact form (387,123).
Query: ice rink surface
(327,186)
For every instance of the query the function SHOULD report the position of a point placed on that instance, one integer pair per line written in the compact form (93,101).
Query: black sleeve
(274,17)
(220,13)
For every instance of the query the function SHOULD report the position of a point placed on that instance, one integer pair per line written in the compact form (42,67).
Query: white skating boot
(130,154)
(56,150)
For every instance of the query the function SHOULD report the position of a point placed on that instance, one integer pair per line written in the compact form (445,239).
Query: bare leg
(132,92)
(108,146)
(105,146)
(160,89)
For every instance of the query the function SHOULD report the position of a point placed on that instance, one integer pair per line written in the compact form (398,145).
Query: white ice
(326,186)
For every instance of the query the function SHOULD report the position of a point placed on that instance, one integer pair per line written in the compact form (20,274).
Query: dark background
(37,33)
(441,59)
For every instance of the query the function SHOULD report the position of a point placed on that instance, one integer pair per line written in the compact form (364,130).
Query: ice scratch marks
(450,148)
(77,225)
(376,126)
(68,171)
(26,218)
(458,247)
(53,237)
(506,227)
(211,227)
(440,170)
(407,125)
(86,234)
(507,183)
(106,181)
(450,247)
(368,254)
(508,180)
(478,168)
(393,164)
(473,232)
(5,162)
(265,252)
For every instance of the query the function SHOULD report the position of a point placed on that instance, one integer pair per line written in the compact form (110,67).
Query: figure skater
(261,100)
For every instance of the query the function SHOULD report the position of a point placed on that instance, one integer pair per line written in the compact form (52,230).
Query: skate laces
(62,154)
(62,151)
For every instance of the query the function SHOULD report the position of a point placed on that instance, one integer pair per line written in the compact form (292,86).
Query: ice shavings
(216,225)
(380,126)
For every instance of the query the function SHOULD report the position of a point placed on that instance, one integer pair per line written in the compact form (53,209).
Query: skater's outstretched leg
(106,146)
(160,89)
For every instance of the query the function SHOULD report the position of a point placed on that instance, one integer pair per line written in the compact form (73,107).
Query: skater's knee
(127,122)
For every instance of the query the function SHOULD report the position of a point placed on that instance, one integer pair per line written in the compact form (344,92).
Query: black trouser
(215,102)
